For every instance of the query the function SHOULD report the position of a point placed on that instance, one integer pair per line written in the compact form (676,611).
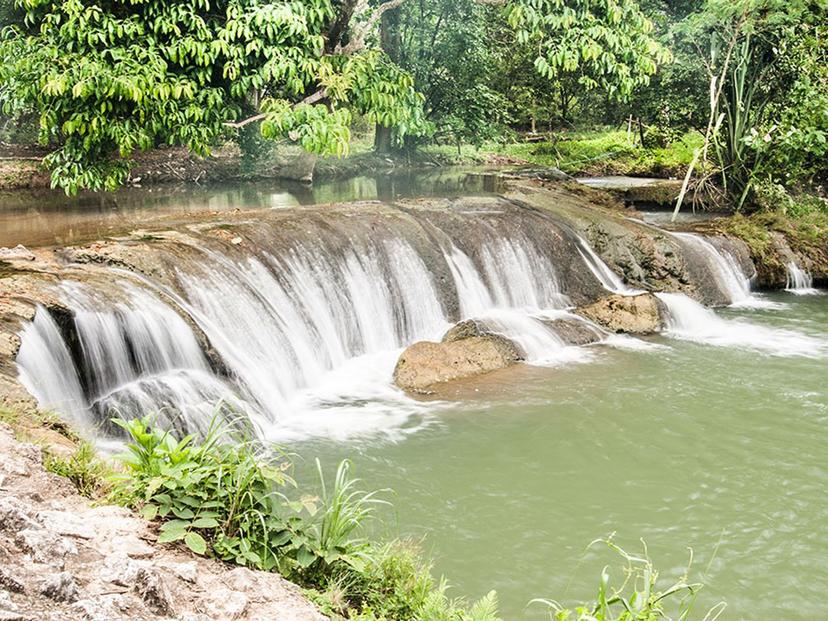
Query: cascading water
(689,320)
(139,355)
(602,271)
(800,281)
(522,295)
(723,266)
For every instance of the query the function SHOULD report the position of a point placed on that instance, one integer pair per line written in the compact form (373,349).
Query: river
(709,436)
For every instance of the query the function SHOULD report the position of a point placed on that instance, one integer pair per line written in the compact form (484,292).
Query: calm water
(690,445)
(47,218)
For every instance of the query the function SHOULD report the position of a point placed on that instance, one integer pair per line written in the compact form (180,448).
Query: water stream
(707,433)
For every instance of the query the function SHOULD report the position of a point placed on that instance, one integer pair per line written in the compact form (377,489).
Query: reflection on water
(45,218)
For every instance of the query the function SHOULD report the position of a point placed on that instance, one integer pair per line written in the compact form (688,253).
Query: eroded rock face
(575,332)
(61,559)
(635,314)
(424,364)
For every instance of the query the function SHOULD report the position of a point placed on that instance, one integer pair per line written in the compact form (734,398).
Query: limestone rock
(152,588)
(18,253)
(60,587)
(634,314)
(10,582)
(45,546)
(575,331)
(425,363)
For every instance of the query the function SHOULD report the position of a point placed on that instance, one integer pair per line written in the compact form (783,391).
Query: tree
(111,78)
(753,52)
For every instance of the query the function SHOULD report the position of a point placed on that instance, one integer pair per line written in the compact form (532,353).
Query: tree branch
(310,99)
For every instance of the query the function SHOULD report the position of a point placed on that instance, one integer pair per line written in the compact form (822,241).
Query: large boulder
(424,364)
(631,314)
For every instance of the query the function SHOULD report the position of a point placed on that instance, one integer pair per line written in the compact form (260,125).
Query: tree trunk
(390,43)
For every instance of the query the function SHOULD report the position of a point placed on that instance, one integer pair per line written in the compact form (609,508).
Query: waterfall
(689,320)
(47,370)
(800,281)
(723,266)
(139,355)
(608,279)
(523,293)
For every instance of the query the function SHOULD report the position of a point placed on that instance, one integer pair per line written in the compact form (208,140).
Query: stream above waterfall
(705,435)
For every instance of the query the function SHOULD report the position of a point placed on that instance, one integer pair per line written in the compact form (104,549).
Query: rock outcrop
(632,314)
(465,351)
(62,560)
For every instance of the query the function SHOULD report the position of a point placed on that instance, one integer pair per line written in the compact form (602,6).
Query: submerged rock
(631,314)
(424,364)
(575,331)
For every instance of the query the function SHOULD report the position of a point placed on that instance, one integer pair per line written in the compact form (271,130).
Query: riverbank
(63,557)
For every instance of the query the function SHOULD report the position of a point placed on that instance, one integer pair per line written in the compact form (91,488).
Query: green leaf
(195,542)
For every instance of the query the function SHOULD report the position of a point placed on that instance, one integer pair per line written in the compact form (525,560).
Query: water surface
(687,445)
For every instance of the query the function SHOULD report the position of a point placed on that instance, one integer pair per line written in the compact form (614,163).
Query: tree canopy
(111,77)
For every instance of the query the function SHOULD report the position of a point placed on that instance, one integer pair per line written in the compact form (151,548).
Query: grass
(605,151)
(83,468)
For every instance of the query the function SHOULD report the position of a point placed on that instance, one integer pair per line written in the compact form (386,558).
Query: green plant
(344,509)
(82,467)
(638,597)
(222,495)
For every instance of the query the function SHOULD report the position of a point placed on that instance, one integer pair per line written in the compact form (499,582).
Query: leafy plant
(637,598)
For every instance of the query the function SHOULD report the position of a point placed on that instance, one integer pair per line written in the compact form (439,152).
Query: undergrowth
(228,497)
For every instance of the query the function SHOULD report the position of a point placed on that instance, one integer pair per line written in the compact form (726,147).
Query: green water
(718,449)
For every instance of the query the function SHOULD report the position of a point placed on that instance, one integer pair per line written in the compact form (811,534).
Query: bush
(225,496)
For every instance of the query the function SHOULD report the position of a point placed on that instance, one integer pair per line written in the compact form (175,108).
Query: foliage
(447,46)
(107,80)
(82,467)
(637,598)
(396,584)
(609,44)
(753,53)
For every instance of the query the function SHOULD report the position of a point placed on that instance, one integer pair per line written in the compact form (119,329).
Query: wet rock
(464,330)
(425,363)
(60,587)
(574,331)
(151,587)
(636,314)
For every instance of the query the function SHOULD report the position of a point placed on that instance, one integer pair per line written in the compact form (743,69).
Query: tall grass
(638,597)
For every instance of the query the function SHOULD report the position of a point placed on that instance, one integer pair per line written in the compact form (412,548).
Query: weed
(82,467)
(638,597)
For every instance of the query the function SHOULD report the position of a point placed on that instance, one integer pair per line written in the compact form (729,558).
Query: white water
(723,266)
(523,293)
(307,340)
(800,281)
(139,356)
(688,320)
(608,279)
